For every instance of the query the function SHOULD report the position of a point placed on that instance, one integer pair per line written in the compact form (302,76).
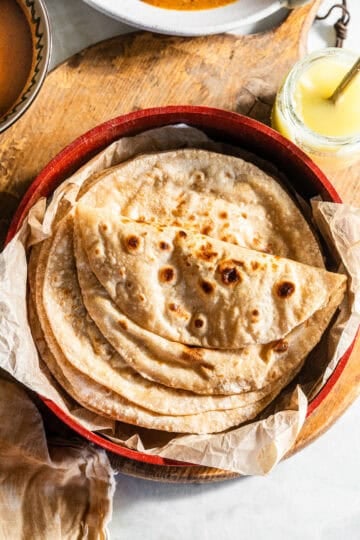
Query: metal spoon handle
(349,77)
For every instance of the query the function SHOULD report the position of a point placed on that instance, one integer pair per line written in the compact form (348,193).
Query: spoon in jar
(345,82)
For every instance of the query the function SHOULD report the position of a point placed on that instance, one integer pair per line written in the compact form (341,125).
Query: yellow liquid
(315,109)
(278,123)
(310,101)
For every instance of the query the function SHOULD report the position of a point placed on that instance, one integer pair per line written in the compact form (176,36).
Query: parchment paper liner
(254,448)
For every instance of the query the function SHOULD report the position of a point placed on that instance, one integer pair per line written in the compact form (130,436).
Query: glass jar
(329,152)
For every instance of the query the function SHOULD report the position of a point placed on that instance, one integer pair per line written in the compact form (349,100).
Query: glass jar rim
(289,91)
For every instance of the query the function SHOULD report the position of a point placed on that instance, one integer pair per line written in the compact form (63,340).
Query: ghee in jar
(328,132)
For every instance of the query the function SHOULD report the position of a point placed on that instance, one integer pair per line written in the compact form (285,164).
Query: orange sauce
(16,53)
(188,4)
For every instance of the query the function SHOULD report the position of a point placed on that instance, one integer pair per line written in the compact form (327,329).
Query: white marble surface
(315,495)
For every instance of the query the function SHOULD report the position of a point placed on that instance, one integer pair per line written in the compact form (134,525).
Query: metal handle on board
(341,25)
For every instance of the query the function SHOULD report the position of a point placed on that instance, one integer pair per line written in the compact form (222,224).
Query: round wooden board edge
(202,474)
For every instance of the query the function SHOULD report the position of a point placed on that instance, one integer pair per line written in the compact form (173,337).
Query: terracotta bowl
(38,20)
(221,125)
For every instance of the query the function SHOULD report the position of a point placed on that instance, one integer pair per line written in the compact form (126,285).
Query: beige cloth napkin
(49,490)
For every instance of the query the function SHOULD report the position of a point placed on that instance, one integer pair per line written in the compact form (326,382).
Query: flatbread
(201,370)
(106,403)
(80,344)
(103,401)
(221,196)
(114,366)
(197,290)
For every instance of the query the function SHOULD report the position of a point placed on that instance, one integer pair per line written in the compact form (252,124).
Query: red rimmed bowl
(305,176)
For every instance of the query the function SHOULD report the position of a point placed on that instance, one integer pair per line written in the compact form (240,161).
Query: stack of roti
(181,292)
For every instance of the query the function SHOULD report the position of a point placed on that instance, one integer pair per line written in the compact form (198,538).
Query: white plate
(187,23)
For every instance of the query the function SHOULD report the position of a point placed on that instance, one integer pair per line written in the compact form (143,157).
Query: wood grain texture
(139,70)
(142,70)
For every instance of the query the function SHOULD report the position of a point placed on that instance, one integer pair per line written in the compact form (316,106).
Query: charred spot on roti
(229,273)
(230,276)
(123,324)
(199,323)
(244,215)
(167,274)
(198,179)
(207,230)
(255,313)
(280,346)
(285,289)
(207,287)
(266,353)
(255,265)
(164,246)
(223,215)
(104,227)
(206,252)
(182,234)
(132,243)
(230,238)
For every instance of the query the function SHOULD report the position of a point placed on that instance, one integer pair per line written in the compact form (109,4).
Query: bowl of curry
(187,17)
(25,46)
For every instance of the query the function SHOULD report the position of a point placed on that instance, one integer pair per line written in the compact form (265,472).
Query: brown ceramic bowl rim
(39,22)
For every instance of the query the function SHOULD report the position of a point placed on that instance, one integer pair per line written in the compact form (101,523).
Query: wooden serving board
(139,70)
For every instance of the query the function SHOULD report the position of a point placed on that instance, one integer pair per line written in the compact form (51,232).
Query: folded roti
(201,370)
(197,290)
(74,339)
(98,398)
